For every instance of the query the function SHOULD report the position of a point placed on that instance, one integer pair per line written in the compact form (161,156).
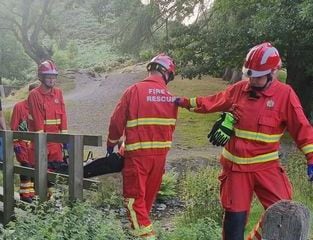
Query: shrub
(81,221)
(201,229)
(109,193)
(168,186)
(200,191)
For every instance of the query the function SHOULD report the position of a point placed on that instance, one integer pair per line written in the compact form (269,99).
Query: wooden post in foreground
(286,220)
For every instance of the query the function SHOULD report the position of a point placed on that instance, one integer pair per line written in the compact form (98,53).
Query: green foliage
(13,62)
(108,194)
(168,186)
(66,57)
(201,229)
(200,191)
(80,221)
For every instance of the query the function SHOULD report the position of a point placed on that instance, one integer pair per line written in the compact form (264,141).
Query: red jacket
(261,121)
(19,114)
(146,115)
(47,111)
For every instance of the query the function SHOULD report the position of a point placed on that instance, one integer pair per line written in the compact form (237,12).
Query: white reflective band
(250,160)
(257,136)
(255,73)
(307,149)
(146,145)
(151,121)
(52,121)
(268,53)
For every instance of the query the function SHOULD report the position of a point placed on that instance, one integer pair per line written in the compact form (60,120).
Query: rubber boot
(234,225)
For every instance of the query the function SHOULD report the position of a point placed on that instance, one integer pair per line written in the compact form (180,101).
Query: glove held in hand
(222,130)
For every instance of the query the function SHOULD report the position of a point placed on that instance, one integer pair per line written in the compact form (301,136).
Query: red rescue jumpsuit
(146,115)
(250,159)
(47,114)
(19,123)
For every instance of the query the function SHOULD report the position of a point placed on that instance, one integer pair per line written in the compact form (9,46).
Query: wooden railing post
(286,220)
(8,177)
(41,165)
(76,152)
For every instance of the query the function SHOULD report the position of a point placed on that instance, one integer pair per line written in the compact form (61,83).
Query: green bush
(81,221)
(108,194)
(200,191)
(201,229)
(168,186)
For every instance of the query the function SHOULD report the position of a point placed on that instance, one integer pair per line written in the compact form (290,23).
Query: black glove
(222,130)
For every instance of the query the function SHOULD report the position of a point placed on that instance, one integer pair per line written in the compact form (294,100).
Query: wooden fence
(74,179)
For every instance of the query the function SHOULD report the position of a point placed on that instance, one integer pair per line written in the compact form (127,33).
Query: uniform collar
(267,92)
(155,78)
(43,91)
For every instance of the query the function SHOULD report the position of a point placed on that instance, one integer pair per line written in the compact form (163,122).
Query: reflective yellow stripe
(142,230)
(249,160)
(132,213)
(307,149)
(64,131)
(256,136)
(151,121)
(193,102)
(52,121)
(145,145)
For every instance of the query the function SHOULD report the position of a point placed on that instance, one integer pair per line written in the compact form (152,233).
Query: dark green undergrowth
(79,221)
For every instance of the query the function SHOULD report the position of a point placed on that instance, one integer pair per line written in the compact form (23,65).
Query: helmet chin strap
(269,79)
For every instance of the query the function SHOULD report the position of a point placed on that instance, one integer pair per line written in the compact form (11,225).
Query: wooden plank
(87,183)
(41,166)
(8,177)
(76,152)
(88,140)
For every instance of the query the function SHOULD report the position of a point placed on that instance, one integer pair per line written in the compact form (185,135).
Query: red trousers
(23,155)
(142,177)
(237,188)
(54,151)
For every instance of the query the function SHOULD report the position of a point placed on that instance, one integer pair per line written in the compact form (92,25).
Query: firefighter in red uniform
(146,115)
(263,109)
(47,114)
(21,147)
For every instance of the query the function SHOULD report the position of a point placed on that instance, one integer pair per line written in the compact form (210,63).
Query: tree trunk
(301,82)
(236,76)
(227,74)
(286,220)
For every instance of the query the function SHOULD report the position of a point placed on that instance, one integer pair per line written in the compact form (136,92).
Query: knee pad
(234,225)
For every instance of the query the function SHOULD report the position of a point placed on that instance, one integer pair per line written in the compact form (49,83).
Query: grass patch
(192,128)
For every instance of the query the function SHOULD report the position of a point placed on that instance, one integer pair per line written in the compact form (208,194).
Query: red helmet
(166,62)
(261,60)
(47,67)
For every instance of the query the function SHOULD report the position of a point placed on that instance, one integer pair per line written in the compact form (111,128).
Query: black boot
(234,225)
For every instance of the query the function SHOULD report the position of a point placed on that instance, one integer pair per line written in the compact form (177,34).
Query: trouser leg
(234,225)
(27,191)
(135,174)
